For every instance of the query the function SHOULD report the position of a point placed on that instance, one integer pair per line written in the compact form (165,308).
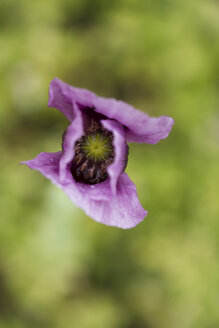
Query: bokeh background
(59,268)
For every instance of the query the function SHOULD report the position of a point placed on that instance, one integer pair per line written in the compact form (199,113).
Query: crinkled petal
(73,132)
(150,129)
(117,167)
(62,96)
(123,210)
(61,99)
(140,126)
(47,164)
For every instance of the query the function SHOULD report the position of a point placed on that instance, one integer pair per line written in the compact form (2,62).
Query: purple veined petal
(47,164)
(63,95)
(123,210)
(150,130)
(117,167)
(140,127)
(60,98)
(73,132)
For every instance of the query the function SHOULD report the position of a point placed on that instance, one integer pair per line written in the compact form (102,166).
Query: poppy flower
(90,168)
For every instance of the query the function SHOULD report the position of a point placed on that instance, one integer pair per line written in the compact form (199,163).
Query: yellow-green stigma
(97,147)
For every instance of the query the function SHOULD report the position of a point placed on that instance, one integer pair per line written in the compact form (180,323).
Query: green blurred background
(59,268)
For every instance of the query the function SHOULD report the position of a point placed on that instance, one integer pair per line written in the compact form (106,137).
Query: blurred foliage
(59,268)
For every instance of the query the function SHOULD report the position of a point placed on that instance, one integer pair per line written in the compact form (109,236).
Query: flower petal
(121,151)
(123,210)
(140,126)
(47,164)
(60,98)
(150,129)
(73,132)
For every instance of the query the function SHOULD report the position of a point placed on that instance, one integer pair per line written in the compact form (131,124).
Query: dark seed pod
(86,166)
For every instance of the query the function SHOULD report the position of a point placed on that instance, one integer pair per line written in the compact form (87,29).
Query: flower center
(97,147)
(94,151)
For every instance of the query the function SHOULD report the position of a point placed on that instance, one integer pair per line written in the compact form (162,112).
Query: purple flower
(90,167)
